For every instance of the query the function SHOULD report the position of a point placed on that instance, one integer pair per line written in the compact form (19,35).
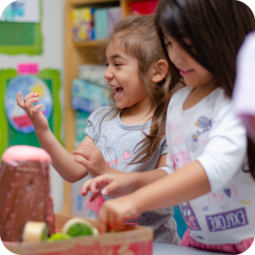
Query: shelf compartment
(95,43)
(93,2)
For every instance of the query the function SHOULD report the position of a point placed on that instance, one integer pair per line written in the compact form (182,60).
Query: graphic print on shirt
(227,220)
(127,155)
(189,216)
(242,201)
(180,159)
(206,125)
(109,153)
(178,140)
(223,197)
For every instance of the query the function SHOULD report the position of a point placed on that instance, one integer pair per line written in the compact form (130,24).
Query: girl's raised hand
(88,155)
(38,119)
(115,212)
(118,184)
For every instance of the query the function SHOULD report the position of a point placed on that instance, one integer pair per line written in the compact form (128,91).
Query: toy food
(58,236)
(79,227)
(24,191)
(35,231)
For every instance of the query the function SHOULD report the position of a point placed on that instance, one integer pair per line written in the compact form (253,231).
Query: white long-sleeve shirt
(210,133)
(244,92)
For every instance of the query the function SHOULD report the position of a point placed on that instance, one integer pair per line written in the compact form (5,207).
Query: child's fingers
(85,188)
(36,108)
(30,96)
(95,195)
(20,103)
(111,219)
(102,221)
(81,160)
(86,150)
(99,183)
(119,221)
(82,152)
(111,189)
(29,103)
(92,146)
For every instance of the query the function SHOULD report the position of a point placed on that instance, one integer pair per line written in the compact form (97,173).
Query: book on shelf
(93,23)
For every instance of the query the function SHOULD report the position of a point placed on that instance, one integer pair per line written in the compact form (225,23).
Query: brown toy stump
(24,191)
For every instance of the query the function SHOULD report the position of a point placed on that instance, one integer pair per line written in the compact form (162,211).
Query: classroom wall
(53,44)
(53,58)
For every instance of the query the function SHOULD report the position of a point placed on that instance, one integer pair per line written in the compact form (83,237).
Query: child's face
(194,75)
(122,76)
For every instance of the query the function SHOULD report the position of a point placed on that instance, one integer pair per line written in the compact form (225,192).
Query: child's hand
(88,155)
(115,212)
(38,119)
(118,184)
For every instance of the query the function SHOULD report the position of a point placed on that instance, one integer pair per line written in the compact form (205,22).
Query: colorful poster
(22,11)
(9,135)
(17,117)
(21,28)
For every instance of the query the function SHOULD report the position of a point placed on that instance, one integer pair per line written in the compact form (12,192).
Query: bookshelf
(77,54)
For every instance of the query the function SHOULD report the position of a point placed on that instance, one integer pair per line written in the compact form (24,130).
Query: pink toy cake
(24,191)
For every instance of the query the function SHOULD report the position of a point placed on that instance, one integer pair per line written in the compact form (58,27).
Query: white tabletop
(170,249)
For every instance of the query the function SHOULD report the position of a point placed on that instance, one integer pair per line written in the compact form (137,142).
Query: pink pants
(229,248)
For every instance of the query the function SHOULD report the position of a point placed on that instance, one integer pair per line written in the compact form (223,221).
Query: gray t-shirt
(119,144)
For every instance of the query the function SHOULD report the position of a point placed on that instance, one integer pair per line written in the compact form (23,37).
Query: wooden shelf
(88,44)
(77,54)
(91,2)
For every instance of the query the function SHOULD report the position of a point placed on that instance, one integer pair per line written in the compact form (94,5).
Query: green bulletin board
(21,38)
(8,135)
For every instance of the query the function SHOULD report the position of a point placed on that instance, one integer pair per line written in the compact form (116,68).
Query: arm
(185,184)
(189,182)
(62,160)
(221,159)
(119,183)
(88,155)
(145,178)
(243,95)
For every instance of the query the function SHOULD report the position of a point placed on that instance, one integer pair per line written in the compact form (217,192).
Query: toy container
(134,240)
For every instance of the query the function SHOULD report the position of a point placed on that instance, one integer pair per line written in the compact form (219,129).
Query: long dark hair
(138,36)
(216,29)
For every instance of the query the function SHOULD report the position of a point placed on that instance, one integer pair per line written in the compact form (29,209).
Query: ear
(159,70)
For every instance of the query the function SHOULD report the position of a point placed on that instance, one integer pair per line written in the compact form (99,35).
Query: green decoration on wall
(21,38)
(8,135)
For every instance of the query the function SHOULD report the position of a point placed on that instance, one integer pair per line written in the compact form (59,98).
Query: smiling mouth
(186,72)
(117,90)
